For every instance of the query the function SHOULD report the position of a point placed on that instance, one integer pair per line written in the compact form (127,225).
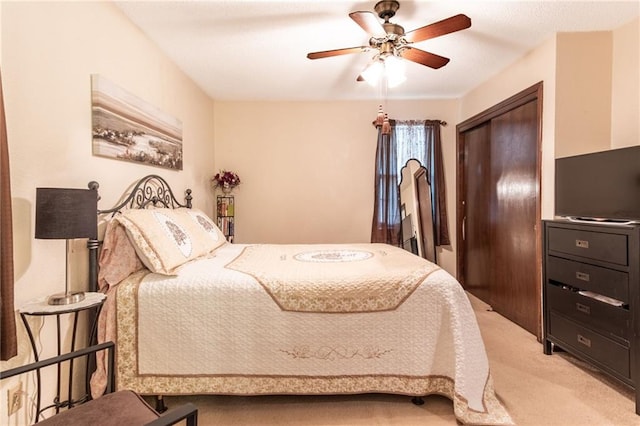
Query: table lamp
(63,213)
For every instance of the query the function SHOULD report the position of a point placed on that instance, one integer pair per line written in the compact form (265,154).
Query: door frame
(534,92)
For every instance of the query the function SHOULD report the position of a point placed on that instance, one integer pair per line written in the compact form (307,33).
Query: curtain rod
(441,122)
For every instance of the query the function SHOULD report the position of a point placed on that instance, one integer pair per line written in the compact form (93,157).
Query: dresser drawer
(584,276)
(592,245)
(606,352)
(612,321)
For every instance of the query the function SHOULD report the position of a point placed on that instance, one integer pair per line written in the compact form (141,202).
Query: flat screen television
(602,186)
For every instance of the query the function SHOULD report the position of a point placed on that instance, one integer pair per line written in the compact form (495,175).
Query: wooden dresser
(591,296)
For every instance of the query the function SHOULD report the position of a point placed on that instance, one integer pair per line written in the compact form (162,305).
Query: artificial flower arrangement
(226,180)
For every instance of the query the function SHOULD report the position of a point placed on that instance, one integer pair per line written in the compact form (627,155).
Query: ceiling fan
(391,40)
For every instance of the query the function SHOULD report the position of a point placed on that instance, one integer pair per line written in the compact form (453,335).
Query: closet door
(513,208)
(499,252)
(477,232)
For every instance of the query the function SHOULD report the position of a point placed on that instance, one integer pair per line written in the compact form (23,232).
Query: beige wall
(625,91)
(49,51)
(583,93)
(598,90)
(307,168)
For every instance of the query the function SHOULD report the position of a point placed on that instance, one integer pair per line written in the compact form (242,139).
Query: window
(418,139)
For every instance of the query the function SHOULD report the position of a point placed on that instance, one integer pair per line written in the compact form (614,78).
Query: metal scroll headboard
(151,190)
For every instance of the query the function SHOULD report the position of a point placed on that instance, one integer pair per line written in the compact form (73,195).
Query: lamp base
(66,298)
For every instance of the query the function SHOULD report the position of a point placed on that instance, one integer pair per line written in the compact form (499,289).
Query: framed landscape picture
(127,128)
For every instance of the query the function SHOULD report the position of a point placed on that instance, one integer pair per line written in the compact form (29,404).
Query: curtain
(409,139)
(386,208)
(8,342)
(439,190)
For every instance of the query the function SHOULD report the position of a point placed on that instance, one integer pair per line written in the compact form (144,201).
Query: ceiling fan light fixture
(373,73)
(388,70)
(394,71)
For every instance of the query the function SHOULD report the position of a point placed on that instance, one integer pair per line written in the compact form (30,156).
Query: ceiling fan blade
(430,60)
(369,22)
(337,52)
(446,26)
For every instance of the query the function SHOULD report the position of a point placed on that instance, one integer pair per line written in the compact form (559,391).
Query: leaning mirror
(416,211)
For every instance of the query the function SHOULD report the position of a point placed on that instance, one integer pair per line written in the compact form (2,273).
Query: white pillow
(165,239)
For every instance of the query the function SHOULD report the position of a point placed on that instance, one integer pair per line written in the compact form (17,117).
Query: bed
(192,314)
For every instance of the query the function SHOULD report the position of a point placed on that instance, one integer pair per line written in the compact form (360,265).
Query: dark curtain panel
(438,184)
(386,206)
(8,342)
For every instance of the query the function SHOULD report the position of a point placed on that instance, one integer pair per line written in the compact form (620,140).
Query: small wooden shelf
(225,214)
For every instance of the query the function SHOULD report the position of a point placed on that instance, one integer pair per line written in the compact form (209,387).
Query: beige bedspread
(334,277)
(214,330)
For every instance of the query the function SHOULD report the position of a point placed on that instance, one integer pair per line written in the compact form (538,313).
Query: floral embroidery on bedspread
(329,354)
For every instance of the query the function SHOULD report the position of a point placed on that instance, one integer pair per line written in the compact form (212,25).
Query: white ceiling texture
(256,50)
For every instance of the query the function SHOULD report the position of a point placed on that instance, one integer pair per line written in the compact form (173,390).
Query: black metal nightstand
(92,303)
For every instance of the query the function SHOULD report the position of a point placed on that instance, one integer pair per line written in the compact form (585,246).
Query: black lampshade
(63,213)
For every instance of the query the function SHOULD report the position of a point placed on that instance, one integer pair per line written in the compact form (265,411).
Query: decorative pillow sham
(165,239)
(118,258)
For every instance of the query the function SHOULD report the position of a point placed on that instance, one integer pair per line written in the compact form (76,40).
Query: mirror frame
(419,208)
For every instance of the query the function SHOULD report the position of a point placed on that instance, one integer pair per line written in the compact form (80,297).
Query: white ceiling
(256,50)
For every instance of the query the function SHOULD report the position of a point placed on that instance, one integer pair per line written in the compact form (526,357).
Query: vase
(226,189)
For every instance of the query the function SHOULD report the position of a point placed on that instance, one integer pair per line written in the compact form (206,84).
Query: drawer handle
(583,308)
(582,276)
(584,341)
(582,244)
